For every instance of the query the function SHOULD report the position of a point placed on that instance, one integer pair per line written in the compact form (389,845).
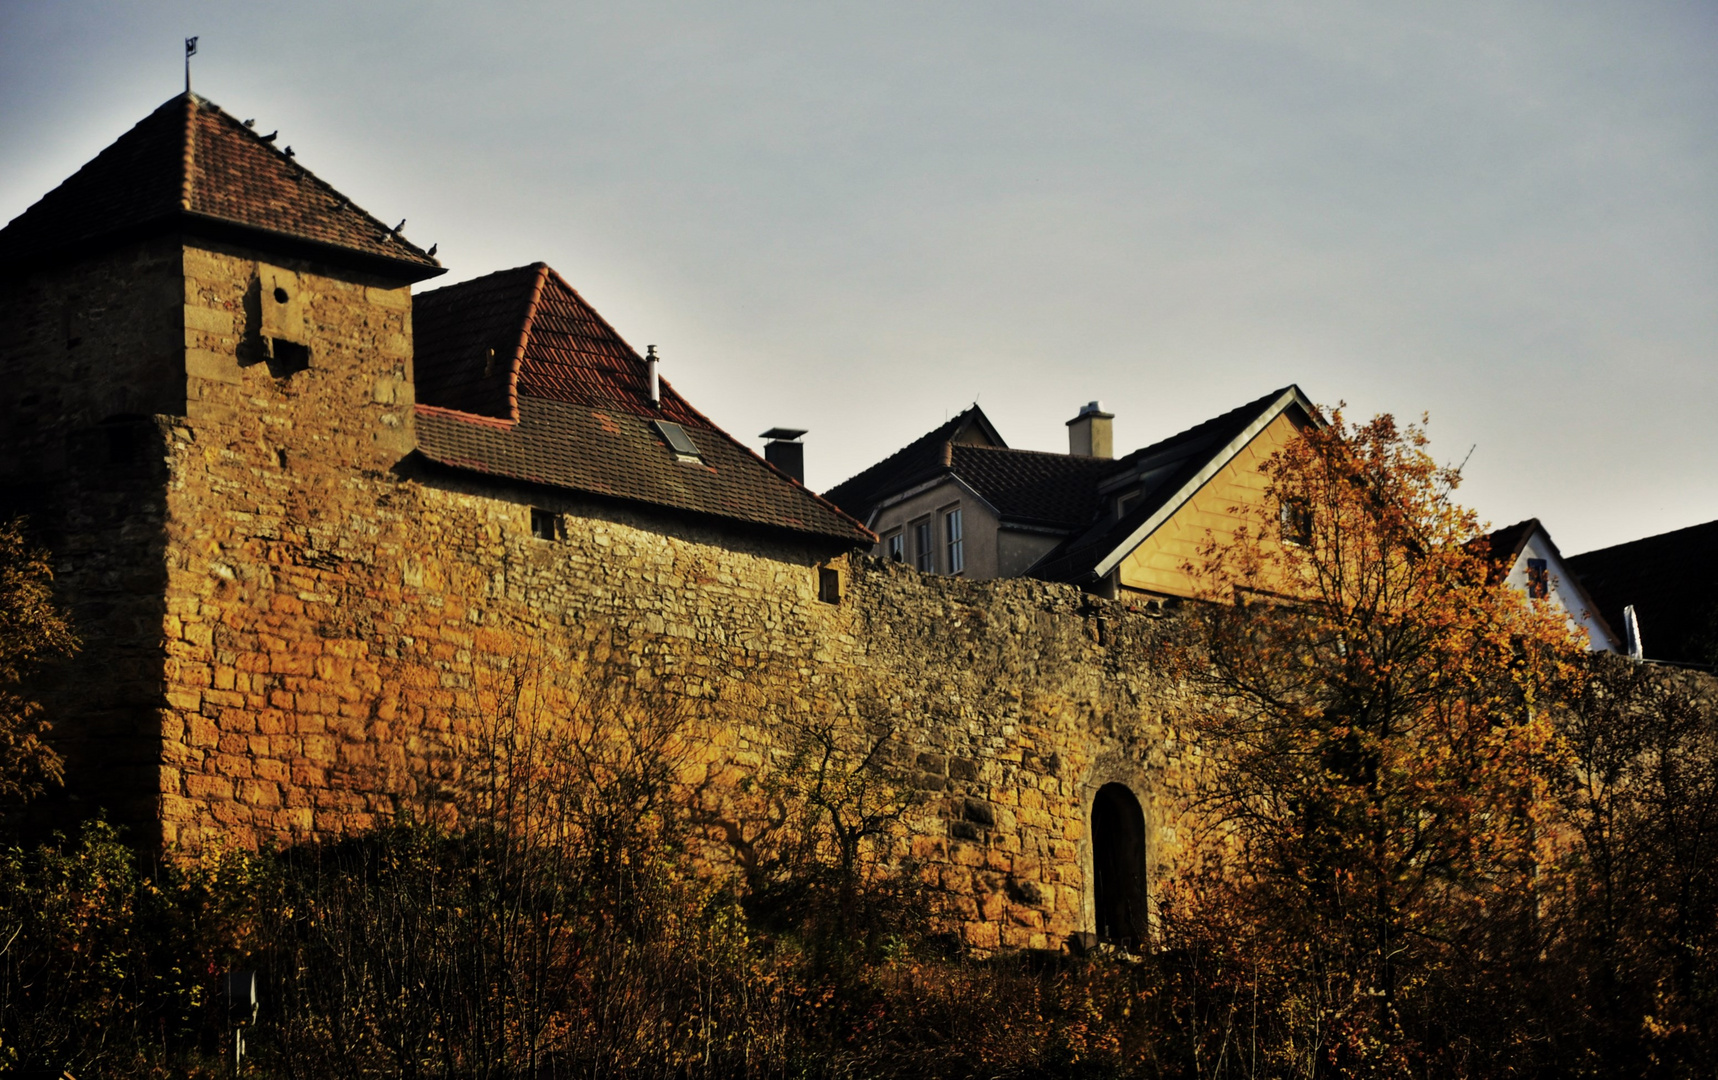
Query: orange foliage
(1383,760)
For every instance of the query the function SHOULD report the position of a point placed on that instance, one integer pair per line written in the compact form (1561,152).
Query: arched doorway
(1118,866)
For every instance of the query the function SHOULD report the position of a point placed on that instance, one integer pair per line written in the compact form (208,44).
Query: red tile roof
(188,166)
(518,377)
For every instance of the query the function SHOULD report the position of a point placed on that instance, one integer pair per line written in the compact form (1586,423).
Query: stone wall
(326,676)
(312,613)
(90,354)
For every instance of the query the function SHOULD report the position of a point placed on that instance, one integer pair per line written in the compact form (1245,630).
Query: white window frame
(924,545)
(954,539)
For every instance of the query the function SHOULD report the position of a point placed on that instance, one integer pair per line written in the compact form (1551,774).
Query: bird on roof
(431,251)
(400,226)
(270,136)
(288,152)
(251,123)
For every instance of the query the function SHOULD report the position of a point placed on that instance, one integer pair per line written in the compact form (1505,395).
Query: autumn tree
(1382,756)
(1641,906)
(33,634)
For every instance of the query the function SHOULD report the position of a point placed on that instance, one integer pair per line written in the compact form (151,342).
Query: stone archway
(1118,867)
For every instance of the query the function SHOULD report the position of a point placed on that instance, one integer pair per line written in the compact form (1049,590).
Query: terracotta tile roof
(190,167)
(564,402)
(1671,580)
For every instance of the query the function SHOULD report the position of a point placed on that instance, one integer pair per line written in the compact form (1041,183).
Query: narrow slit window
(678,441)
(895,546)
(955,534)
(829,585)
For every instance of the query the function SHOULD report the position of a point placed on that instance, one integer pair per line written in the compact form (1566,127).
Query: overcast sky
(859,218)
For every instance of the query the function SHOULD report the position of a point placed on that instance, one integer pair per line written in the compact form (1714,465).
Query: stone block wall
(90,358)
(309,614)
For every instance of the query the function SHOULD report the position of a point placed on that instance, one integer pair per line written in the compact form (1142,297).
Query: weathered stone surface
(295,627)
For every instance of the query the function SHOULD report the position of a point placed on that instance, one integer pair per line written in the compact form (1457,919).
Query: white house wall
(1563,591)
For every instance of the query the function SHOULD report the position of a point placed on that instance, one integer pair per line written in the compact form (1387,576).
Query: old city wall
(334,615)
(323,684)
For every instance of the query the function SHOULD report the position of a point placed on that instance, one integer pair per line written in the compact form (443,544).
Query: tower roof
(190,167)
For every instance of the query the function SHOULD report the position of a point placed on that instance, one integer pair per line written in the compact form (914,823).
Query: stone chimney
(785,451)
(1089,433)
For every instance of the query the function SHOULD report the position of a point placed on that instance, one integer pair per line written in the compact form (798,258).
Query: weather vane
(190,51)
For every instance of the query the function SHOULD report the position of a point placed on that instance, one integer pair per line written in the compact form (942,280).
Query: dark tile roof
(565,403)
(190,167)
(920,459)
(1672,581)
(1027,487)
(1057,492)
(1501,547)
(1164,468)
(467,339)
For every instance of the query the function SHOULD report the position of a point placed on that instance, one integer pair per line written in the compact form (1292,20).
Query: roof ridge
(188,162)
(1647,539)
(1213,421)
(923,442)
(191,168)
(524,345)
(969,448)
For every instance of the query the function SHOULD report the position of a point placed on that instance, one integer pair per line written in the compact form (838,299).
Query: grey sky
(856,218)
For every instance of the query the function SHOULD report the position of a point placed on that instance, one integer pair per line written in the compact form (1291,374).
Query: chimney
(785,451)
(655,382)
(1089,433)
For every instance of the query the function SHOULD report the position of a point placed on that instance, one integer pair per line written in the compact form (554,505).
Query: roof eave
(474,468)
(1291,396)
(192,223)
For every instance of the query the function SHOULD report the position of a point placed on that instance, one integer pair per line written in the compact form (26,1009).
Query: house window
(923,548)
(546,524)
(954,533)
(1538,579)
(829,585)
(1126,502)
(895,546)
(1295,518)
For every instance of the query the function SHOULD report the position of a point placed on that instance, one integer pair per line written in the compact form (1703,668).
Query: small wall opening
(287,358)
(1118,867)
(547,525)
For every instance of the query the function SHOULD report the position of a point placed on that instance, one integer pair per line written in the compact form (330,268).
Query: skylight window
(678,441)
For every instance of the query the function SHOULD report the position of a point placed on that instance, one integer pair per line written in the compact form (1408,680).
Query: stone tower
(191,294)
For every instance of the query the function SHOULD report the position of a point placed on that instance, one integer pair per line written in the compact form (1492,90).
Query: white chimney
(1631,634)
(655,382)
(1089,433)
